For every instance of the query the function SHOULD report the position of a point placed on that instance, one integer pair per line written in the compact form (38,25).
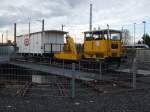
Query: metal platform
(140,72)
(57,71)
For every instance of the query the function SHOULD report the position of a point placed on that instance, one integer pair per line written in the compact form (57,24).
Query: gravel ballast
(133,101)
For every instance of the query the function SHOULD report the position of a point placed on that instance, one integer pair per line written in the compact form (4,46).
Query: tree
(146,39)
(9,42)
(139,42)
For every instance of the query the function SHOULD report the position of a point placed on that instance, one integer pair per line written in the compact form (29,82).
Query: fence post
(63,66)
(50,61)
(134,71)
(100,71)
(79,65)
(73,81)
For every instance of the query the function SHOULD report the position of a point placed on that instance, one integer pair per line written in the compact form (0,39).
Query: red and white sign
(26,40)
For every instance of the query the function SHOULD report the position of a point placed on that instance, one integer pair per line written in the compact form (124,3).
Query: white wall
(36,42)
(54,38)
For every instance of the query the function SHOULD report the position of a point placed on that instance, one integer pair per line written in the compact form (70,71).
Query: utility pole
(2,38)
(144,22)
(15,27)
(123,34)
(29,31)
(29,28)
(62,26)
(134,33)
(43,28)
(6,35)
(90,27)
(108,32)
(43,25)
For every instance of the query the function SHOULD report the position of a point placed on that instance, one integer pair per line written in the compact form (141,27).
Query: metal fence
(6,50)
(44,76)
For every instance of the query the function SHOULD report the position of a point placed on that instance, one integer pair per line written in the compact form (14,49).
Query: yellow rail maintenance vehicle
(103,45)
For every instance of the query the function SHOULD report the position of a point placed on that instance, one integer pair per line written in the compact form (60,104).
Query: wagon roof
(48,31)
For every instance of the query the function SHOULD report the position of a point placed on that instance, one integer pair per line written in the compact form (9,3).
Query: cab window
(115,36)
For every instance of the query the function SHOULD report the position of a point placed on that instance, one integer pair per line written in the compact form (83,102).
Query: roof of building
(48,31)
(104,31)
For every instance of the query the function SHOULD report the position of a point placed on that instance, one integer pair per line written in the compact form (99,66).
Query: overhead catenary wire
(75,29)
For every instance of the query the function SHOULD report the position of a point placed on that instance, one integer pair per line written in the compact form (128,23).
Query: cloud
(74,12)
(123,11)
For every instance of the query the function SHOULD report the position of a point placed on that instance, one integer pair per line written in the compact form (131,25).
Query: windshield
(115,36)
(102,36)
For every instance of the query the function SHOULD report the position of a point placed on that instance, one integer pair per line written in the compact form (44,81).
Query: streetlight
(144,22)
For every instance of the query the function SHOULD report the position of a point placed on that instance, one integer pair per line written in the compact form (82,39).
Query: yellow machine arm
(70,52)
(70,45)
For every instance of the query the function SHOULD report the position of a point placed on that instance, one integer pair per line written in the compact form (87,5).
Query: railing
(53,47)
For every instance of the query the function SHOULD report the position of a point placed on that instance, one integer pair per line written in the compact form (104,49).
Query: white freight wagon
(41,42)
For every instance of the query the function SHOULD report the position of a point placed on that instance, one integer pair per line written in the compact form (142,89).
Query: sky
(74,14)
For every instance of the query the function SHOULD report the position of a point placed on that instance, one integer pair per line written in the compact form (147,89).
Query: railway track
(122,80)
(93,85)
(105,86)
(24,90)
(62,87)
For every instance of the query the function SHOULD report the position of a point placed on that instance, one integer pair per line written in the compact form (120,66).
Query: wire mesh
(97,77)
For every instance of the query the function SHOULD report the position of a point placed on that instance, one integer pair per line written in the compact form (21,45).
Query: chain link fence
(72,79)
(47,77)
(31,75)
